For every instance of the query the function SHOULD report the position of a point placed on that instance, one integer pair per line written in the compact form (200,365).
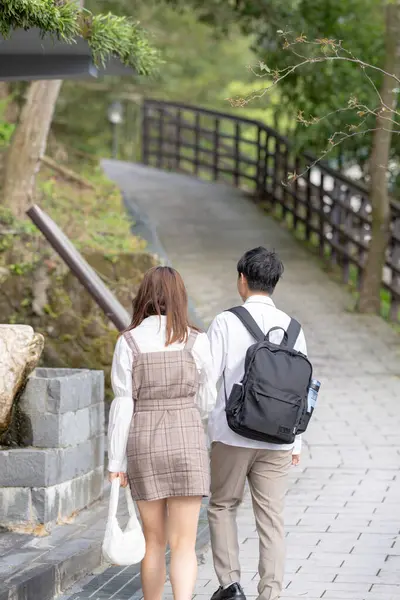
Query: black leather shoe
(233,592)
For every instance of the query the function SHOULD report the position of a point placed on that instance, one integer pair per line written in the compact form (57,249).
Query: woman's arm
(207,394)
(121,410)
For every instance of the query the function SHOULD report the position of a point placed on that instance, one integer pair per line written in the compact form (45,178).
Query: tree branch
(361,110)
(67,173)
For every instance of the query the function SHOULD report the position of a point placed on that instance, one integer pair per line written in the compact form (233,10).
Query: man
(235,458)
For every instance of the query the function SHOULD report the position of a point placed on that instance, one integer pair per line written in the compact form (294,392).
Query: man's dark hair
(262,269)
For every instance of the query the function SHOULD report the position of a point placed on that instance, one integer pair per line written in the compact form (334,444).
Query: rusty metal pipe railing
(80,268)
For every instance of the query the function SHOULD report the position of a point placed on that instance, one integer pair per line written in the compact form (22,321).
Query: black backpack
(270,403)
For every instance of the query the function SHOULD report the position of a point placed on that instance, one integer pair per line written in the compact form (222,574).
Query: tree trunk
(4,90)
(28,145)
(370,301)
(10,113)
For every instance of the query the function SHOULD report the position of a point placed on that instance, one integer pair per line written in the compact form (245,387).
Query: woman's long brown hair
(162,292)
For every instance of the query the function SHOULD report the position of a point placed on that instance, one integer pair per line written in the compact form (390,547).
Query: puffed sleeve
(207,393)
(121,410)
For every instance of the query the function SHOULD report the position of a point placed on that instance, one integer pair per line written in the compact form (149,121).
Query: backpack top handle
(285,335)
(289,337)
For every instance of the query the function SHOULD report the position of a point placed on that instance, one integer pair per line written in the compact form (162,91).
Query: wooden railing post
(345,236)
(395,260)
(160,154)
(264,167)
(236,155)
(260,168)
(335,221)
(308,204)
(178,139)
(145,134)
(321,220)
(284,183)
(216,149)
(275,176)
(296,192)
(196,143)
(365,231)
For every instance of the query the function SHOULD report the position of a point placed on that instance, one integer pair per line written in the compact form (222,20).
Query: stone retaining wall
(61,469)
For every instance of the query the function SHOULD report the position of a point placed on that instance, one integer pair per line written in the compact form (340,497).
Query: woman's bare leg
(153,570)
(183,517)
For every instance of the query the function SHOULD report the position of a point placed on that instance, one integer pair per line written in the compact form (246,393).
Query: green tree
(313,91)
(198,67)
(350,102)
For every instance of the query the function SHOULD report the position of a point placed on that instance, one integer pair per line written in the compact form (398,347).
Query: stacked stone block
(60,469)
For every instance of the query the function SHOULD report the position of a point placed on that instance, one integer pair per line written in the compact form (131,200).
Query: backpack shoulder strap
(245,317)
(293,332)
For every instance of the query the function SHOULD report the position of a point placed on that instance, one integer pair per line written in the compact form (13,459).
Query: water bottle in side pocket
(312,398)
(313,395)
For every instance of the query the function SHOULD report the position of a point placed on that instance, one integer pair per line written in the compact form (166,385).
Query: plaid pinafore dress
(166,450)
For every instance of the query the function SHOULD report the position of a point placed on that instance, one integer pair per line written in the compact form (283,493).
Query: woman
(160,375)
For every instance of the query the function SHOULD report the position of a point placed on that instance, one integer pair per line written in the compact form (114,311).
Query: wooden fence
(325,208)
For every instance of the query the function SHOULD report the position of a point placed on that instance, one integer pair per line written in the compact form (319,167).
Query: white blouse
(150,336)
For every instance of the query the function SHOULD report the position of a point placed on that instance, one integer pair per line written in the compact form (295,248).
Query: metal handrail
(100,293)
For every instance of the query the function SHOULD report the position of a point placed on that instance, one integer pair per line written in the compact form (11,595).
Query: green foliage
(6,128)
(6,217)
(58,18)
(107,35)
(93,219)
(199,68)
(315,89)
(9,222)
(6,242)
(320,89)
(269,110)
(20,268)
(6,132)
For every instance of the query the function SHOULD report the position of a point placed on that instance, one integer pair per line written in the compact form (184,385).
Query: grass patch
(94,219)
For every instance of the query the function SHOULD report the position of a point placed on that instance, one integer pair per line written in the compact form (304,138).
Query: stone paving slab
(342,513)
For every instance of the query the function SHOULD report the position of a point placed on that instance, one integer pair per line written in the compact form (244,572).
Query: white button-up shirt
(230,341)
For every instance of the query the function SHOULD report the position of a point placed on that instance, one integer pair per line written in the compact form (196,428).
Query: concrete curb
(40,568)
(45,580)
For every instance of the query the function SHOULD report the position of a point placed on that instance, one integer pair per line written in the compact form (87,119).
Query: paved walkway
(343,506)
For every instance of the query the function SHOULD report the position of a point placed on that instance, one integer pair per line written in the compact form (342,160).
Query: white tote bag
(123,547)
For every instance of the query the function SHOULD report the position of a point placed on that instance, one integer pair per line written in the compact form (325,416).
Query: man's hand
(295,459)
(123,478)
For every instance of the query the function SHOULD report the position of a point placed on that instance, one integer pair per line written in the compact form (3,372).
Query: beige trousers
(266,471)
